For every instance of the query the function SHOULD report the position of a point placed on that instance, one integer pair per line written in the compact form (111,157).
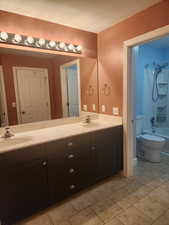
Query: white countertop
(44,135)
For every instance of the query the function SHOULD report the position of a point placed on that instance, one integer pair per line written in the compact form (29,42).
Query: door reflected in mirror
(70,88)
(37,87)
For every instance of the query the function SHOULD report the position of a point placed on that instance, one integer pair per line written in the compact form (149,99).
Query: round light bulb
(52,44)
(3,36)
(79,48)
(17,38)
(41,41)
(71,47)
(30,40)
(62,45)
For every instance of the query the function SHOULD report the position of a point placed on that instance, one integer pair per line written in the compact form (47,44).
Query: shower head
(158,67)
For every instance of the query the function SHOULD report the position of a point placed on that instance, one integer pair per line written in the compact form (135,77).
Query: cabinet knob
(23,112)
(71,170)
(44,163)
(69,144)
(72,187)
(93,148)
(71,156)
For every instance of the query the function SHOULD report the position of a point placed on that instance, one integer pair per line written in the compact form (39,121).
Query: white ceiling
(89,15)
(161,43)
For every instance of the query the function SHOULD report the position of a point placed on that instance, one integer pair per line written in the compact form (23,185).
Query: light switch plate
(115,111)
(94,107)
(85,107)
(103,108)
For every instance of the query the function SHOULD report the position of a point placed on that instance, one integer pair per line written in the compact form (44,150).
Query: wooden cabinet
(71,166)
(23,186)
(109,145)
(36,177)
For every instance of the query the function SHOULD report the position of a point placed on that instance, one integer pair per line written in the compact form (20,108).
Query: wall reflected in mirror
(37,87)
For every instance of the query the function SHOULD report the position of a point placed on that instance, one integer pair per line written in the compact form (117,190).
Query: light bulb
(41,41)
(30,40)
(52,44)
(17,38)
(71,47)
(79,48)
(3,36)
(62,45)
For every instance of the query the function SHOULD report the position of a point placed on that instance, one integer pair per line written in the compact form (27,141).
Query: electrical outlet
(103,108)
(115,111)
(85,107)
(13,104)
(94,107)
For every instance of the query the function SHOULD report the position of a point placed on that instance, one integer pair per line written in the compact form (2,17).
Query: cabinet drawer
(59,190)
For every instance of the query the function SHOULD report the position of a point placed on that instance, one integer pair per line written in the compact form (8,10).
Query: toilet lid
(149,137)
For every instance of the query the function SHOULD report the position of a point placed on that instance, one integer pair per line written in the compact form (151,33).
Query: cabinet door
(118,136)
(87,160)
(23,190)
(56,170)
(108,144)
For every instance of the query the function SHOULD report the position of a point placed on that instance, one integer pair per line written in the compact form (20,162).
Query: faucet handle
(7,133)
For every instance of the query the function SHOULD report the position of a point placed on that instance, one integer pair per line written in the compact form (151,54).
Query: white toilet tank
(139,124)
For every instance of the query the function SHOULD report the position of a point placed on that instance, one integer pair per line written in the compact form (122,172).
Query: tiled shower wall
(147,54)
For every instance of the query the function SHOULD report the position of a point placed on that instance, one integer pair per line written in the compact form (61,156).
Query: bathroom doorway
(151,99)
(129,119)
(70,88)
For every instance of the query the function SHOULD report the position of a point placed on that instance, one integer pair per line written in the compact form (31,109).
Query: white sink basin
(14,140)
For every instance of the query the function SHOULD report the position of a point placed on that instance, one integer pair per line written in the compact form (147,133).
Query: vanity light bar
(17,39)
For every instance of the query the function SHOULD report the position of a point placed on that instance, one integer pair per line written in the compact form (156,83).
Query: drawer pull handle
(71,170)
(72,187)
(44,163)
(70,144)
(71,156)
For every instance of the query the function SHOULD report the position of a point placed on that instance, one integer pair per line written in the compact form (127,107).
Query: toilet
(148,146)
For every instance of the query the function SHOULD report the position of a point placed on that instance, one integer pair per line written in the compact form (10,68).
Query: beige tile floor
(139,200)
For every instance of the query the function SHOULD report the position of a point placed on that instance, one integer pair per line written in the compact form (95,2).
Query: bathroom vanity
(52,154)
(54,164)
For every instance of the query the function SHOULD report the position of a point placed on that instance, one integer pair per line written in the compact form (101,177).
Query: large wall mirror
(37,87)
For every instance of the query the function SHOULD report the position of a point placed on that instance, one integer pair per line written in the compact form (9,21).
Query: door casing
(128,106)
(4,94)
(64,88)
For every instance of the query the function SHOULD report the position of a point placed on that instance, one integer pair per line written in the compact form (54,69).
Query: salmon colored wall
(110,50)
(88,76)
(88,81)
(8,61)
(24,25)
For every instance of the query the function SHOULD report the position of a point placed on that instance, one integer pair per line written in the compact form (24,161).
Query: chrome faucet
(88,119)
(7,133)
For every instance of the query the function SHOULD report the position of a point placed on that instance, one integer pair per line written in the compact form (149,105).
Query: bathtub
(162,132)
